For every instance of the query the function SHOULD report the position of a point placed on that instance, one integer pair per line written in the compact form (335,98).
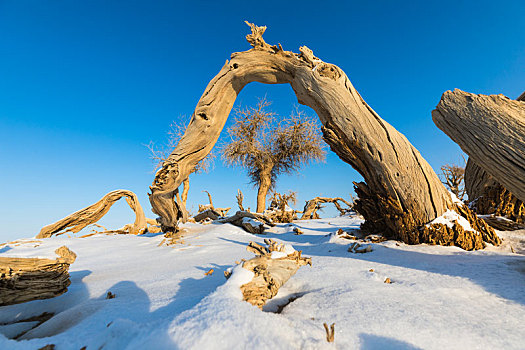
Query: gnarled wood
(251,222)
(402,192)
(270,274)
(90,215)
(488,197)
(26,279)
(311,206)
(491,130)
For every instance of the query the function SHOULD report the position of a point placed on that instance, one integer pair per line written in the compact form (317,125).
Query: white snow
(449,217)
(439,298)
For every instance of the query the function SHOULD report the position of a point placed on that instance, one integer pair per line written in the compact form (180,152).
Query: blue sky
(85,84)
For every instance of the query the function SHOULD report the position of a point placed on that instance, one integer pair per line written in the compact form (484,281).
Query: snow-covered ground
(439,298)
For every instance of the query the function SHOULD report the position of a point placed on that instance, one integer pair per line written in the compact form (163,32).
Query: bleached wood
(270,274)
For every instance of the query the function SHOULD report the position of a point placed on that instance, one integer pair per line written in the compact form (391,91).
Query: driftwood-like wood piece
(311,206)
(491,130)
(401,194)
(250,222)
(270,274)
(26,279)
(90,215)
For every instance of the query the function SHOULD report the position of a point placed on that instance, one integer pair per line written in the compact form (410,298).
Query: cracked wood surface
(26,279)
(390,165)
(402,192)
(91,214)
(491,130)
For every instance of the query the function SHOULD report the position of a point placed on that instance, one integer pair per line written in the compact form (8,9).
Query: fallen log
(26,279)
(90,215)
(270,274)
(401,192)
(491,130)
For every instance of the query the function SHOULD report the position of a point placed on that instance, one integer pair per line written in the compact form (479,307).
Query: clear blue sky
(84,84)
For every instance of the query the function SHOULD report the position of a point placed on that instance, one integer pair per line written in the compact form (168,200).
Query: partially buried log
(90,215)
(270,274)
(26,279)
(401,194)
(491,130)
(311,206)
(251,222)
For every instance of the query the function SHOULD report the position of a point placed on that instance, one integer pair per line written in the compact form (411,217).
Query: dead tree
(491,130)
(267,148)
(311,206)
(401,192)
(160,154)
(26,279)
(453,178)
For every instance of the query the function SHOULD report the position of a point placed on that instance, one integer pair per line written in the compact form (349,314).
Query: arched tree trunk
(264,186)
(401,194)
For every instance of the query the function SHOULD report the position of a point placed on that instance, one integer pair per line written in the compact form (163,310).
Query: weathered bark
(26,279)
(402,192)
(186,188)
(240,198)
(488,197)
(270,274)
(491,130)
(250,222)
(311,206)
(89,215)
(264,186)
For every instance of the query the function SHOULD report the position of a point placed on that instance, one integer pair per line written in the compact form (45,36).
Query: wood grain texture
(401,192)
(91,214)
(491,130)
(26,279)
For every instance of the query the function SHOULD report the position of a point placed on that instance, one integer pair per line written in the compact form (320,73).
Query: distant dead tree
(267,147)
(453,176)
(159,154)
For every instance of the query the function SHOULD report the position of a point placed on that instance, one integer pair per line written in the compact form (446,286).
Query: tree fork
(400,184)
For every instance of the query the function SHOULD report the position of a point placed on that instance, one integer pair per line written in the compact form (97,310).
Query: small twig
(330,333)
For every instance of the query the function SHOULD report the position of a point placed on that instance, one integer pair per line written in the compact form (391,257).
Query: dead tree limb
(89,215)
(26,279)
(311,206)
(491,130)
(240,198)
(401,194)
(270,274)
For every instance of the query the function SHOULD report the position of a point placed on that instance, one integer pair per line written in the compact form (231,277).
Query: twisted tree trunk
(401,194)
